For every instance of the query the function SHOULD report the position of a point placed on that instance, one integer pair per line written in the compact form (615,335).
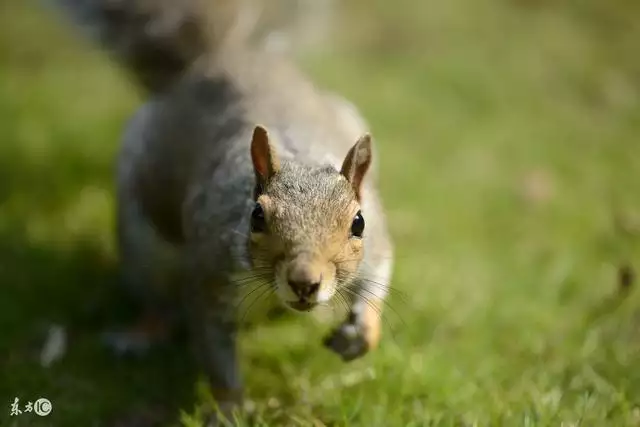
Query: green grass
(509,136)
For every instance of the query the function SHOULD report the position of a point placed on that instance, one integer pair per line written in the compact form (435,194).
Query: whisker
(383,301)
(354,277)
(254,271)
(270,290)
(342,300)
(250,277)
(239,285)
(370,300)
(404,298)
(248,294)
(378,311)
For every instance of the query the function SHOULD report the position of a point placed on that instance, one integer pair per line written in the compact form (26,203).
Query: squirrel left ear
(264,158)
(357,162)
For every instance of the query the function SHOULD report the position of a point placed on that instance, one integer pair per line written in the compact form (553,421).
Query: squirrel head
(307,227)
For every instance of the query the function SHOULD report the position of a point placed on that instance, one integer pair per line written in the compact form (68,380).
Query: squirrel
(238,166)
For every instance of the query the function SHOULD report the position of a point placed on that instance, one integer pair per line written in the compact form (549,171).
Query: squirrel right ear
(357,162)
(263,156)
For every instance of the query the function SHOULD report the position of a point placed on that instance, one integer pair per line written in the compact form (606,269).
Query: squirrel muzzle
(307,281)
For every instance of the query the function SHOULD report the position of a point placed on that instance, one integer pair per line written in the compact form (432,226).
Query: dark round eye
(258,223)
(357,226)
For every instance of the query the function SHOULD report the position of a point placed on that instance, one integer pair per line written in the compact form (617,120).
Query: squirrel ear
(263,156)
(357,162)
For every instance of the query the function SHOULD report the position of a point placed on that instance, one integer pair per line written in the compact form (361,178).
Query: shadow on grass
(74,286)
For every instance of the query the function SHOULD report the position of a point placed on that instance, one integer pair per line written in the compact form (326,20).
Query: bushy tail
(157,40)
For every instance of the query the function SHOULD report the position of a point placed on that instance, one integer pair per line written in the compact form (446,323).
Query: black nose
(304,276)
(304,289)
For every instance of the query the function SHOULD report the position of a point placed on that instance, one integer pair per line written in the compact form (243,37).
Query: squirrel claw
(348,341)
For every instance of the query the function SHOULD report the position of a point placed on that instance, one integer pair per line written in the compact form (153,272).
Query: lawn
(509,148)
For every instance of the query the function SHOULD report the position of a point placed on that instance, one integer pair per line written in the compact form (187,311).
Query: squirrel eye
(357,226)
(258,223)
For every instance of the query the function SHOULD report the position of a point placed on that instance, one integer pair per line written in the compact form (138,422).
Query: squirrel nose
(303,280)
(304,289)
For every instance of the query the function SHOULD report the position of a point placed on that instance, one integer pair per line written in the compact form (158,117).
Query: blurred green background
(509,137)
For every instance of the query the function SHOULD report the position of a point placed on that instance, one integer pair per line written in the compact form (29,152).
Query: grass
(508,137)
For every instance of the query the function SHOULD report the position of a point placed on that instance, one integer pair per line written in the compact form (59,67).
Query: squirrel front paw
(348,341)
(356,336)
(351,340)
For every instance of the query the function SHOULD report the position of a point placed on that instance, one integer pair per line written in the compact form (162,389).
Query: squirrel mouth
(301,305)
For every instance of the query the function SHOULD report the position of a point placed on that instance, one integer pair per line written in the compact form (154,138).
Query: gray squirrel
(238,170)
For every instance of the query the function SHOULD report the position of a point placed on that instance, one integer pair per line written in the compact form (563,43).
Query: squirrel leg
(360,332)
(151,328)
(214,330)
(221,367)
(149,272)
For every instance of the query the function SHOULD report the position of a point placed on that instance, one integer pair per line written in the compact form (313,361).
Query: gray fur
(158,40)
(193,149)
(185,188)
